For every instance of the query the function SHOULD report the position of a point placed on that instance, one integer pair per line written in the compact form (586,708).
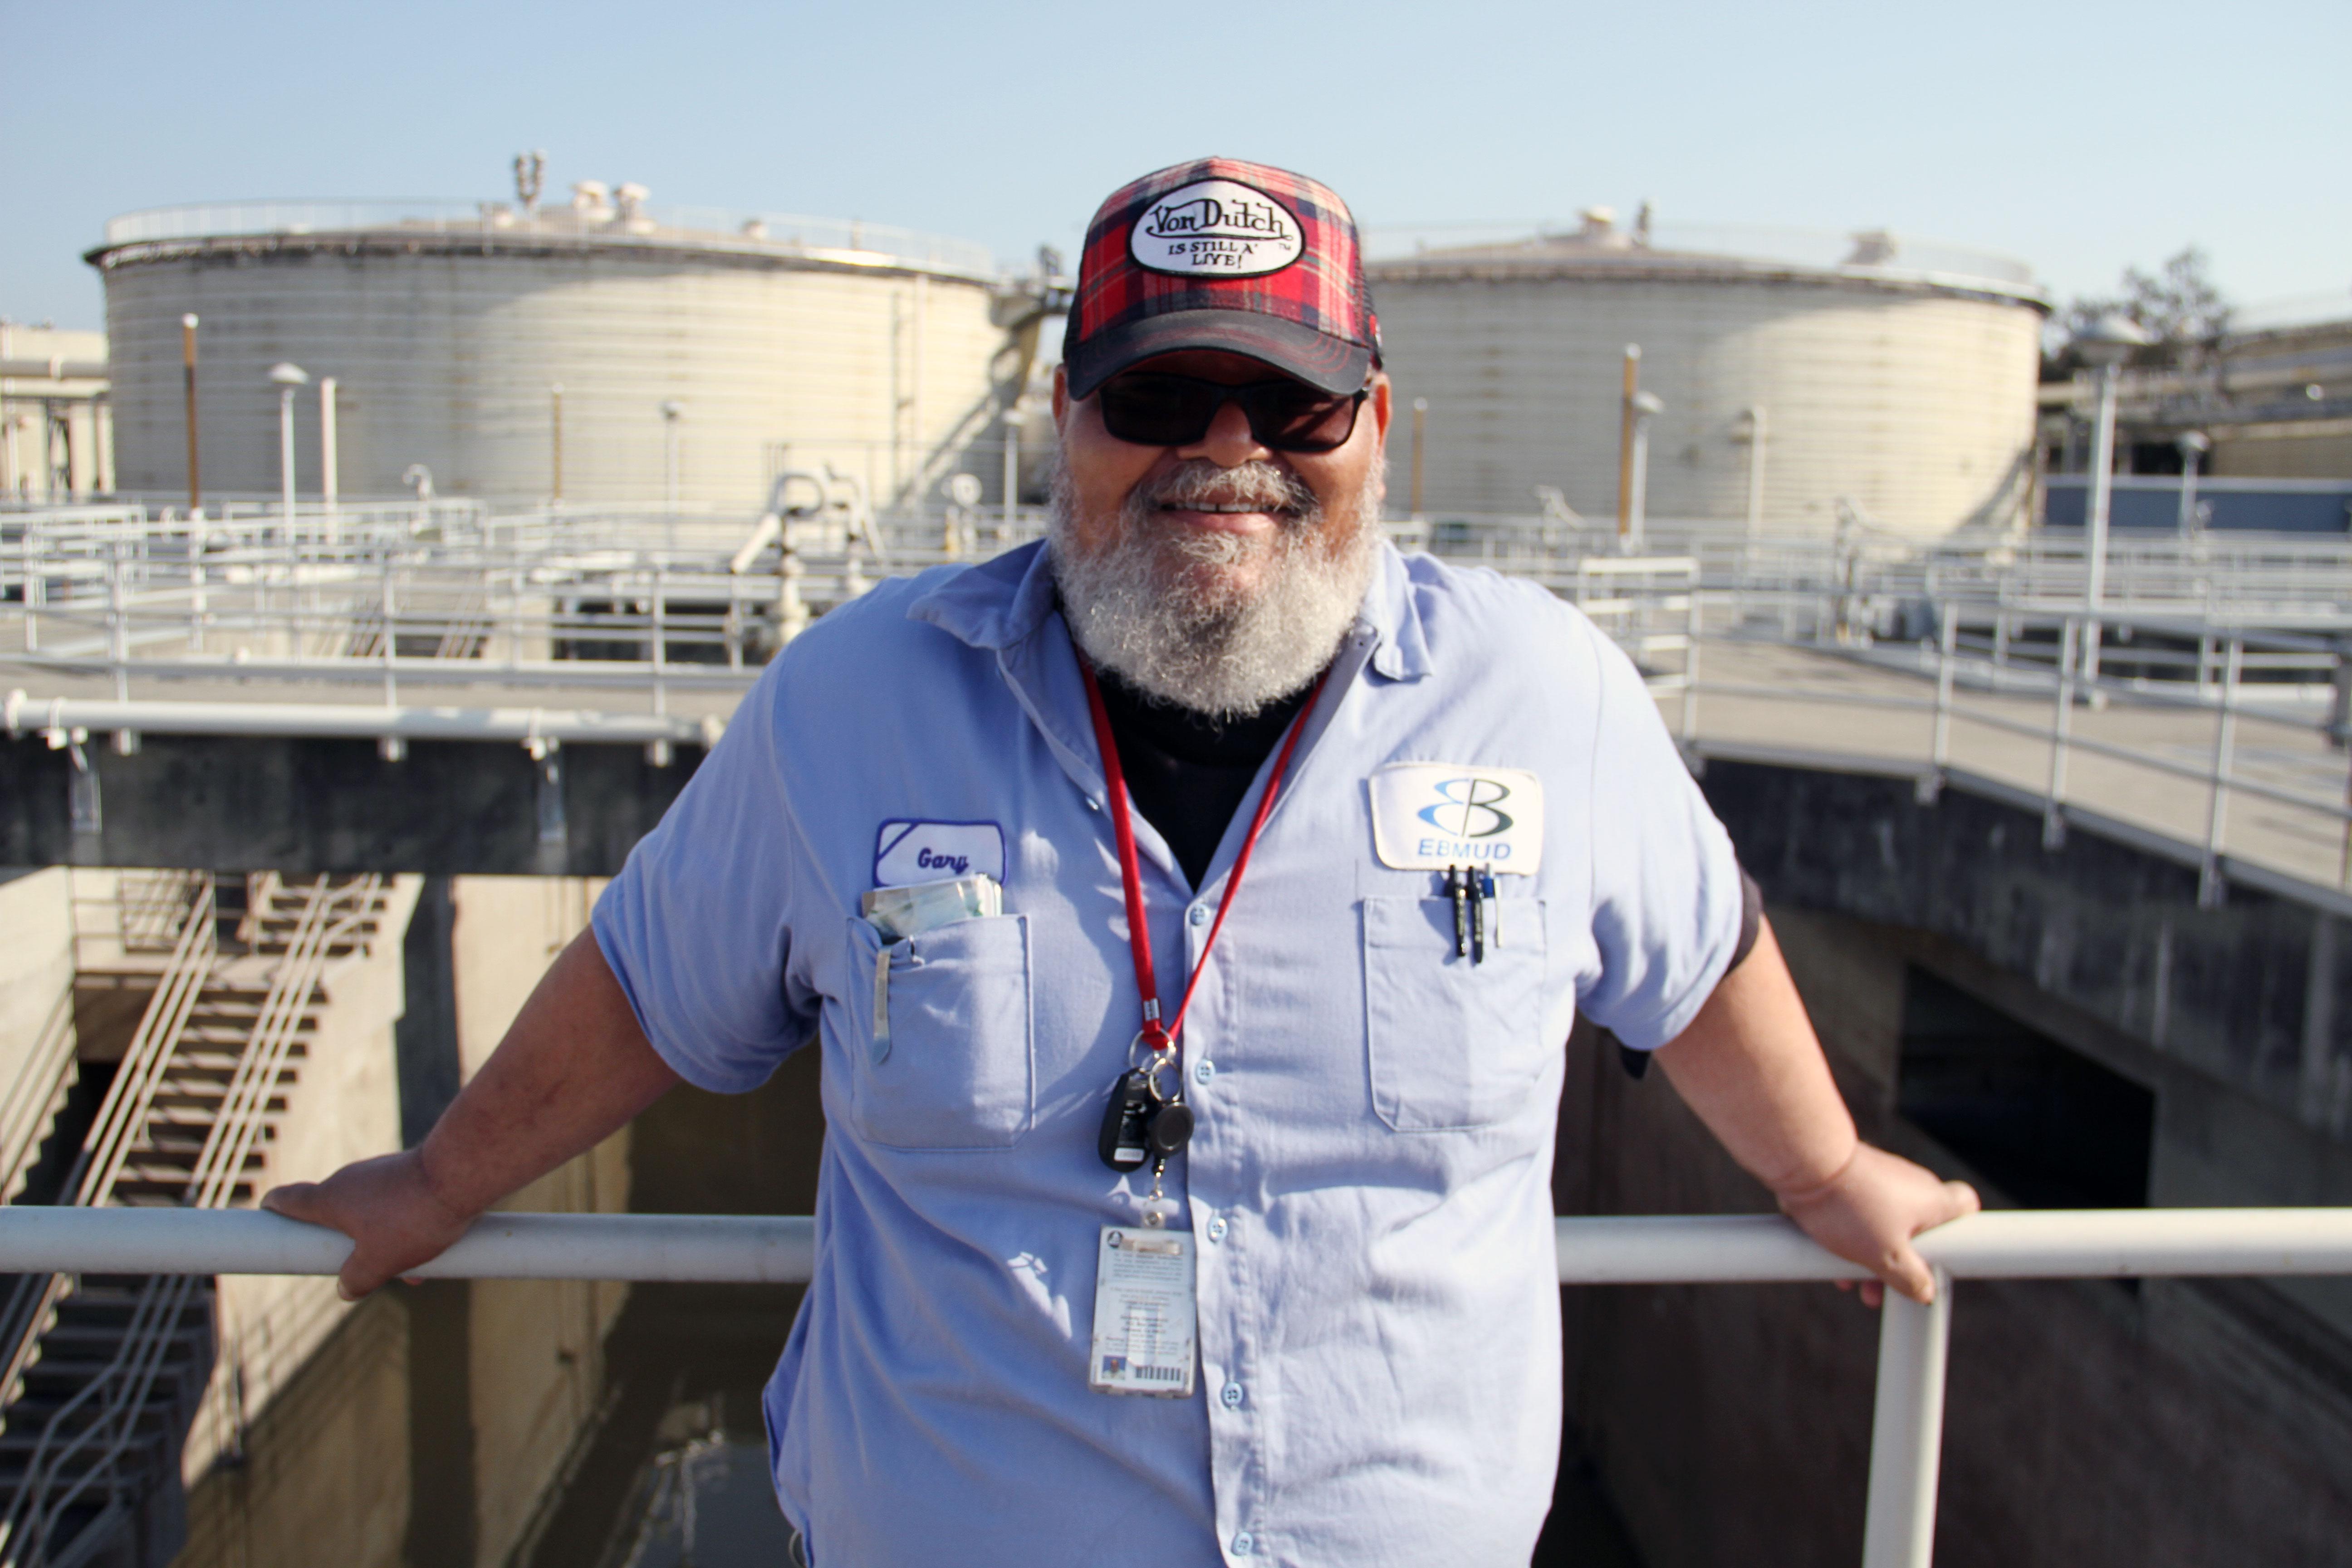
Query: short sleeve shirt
(1369,1182)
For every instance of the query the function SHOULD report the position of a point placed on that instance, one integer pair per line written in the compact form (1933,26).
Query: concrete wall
(320,1478)
(429,1427)
(2171,1422)
(36,965)
(508,930)
(344,1105)
(2180,1424)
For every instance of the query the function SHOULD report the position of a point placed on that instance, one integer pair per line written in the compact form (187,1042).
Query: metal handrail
(1908,1418)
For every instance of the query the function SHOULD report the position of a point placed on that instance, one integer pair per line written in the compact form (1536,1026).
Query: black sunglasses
(1151,408)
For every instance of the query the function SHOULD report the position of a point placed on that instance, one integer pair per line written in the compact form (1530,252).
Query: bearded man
(1259,1267)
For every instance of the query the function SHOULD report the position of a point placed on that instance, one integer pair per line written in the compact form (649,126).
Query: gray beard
(1156,605)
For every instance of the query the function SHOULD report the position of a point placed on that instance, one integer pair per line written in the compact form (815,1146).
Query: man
(1315,1168)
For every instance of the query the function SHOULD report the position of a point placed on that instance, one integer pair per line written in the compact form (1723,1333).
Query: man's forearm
(1750,1067)
(574,1067)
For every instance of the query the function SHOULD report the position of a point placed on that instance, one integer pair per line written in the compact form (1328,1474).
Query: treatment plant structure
(1862,376)
(602,350)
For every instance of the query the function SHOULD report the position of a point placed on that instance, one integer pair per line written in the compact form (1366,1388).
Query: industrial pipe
(1627,416)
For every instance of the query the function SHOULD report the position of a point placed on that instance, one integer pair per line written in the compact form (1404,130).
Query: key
(1457,887)
(1169,1128)
(1123,1143)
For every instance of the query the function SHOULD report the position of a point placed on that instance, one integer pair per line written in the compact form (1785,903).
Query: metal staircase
(102,1376)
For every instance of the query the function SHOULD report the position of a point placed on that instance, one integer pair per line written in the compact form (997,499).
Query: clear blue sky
(2079,136)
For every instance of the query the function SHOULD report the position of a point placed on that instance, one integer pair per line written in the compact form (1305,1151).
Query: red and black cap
(1220,254)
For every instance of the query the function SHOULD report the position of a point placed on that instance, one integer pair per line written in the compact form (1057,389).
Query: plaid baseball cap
(1221,254)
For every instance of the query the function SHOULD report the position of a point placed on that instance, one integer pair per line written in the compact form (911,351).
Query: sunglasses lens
(1158,410)
(1176,411)
(1291,417)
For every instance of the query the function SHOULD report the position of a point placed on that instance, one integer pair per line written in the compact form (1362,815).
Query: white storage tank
(744,345)
(1894,377)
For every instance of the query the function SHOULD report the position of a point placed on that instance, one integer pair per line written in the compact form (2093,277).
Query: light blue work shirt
(1369,1184)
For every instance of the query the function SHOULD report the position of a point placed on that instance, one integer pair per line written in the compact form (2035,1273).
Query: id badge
(1143,1313)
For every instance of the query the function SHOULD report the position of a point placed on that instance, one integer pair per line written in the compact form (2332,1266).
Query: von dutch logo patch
(1429,815)
(1217,228)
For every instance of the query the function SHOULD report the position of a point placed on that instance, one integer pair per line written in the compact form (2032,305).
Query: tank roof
(1694,253)
(491,227)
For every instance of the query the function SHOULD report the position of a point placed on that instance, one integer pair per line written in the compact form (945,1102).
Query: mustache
(1198,482)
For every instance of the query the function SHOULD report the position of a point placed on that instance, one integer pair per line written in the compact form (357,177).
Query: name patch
(1429,815)
(906,853)
(1216,228)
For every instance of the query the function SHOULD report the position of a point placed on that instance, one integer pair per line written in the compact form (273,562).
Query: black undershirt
(1186,771)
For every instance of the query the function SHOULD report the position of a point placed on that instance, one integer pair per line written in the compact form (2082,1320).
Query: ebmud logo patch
(1218,228)
(1469,808)
(1429,815)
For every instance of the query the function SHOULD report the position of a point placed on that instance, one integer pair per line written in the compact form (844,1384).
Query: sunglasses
(1150,408)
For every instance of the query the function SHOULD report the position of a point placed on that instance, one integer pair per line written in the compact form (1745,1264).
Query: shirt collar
(1002,602)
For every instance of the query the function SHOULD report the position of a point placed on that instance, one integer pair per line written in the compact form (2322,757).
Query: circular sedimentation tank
(1895,379)
(488,342)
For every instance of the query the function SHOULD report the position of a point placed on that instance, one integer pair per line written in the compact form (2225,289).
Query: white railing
(653,624)
(1908,1426)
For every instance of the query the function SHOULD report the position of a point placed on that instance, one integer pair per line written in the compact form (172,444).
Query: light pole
(2193,445)
(2104,345)
(329,470)
(188,369)
(287,376)
(1627,416)
(1750,430)
(1644,407)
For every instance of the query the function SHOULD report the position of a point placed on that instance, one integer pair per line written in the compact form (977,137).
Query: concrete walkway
(1792,702)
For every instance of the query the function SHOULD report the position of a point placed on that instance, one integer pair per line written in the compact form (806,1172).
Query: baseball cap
(1223,254)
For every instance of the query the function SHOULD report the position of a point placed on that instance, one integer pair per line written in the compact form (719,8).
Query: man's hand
(1749,1066)
(1870,1210)
(387,1206)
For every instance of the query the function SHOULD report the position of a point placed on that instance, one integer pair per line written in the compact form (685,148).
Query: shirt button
(1217,1229)
(1200,915)
(1204,1071)
(1232,1394)
(1245,1543)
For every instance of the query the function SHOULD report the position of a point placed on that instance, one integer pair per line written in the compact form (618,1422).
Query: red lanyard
(1139,928)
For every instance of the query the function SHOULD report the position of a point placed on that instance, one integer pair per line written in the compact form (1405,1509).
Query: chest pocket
(939,1048)
(1453,1044)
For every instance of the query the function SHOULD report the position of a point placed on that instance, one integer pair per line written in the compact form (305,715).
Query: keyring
(1167,1063)
(1151,1053)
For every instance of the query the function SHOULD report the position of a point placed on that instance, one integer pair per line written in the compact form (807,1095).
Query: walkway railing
(1906,1435)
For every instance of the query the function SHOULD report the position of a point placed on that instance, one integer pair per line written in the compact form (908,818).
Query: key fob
(1169,1128)
(1124,1145)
